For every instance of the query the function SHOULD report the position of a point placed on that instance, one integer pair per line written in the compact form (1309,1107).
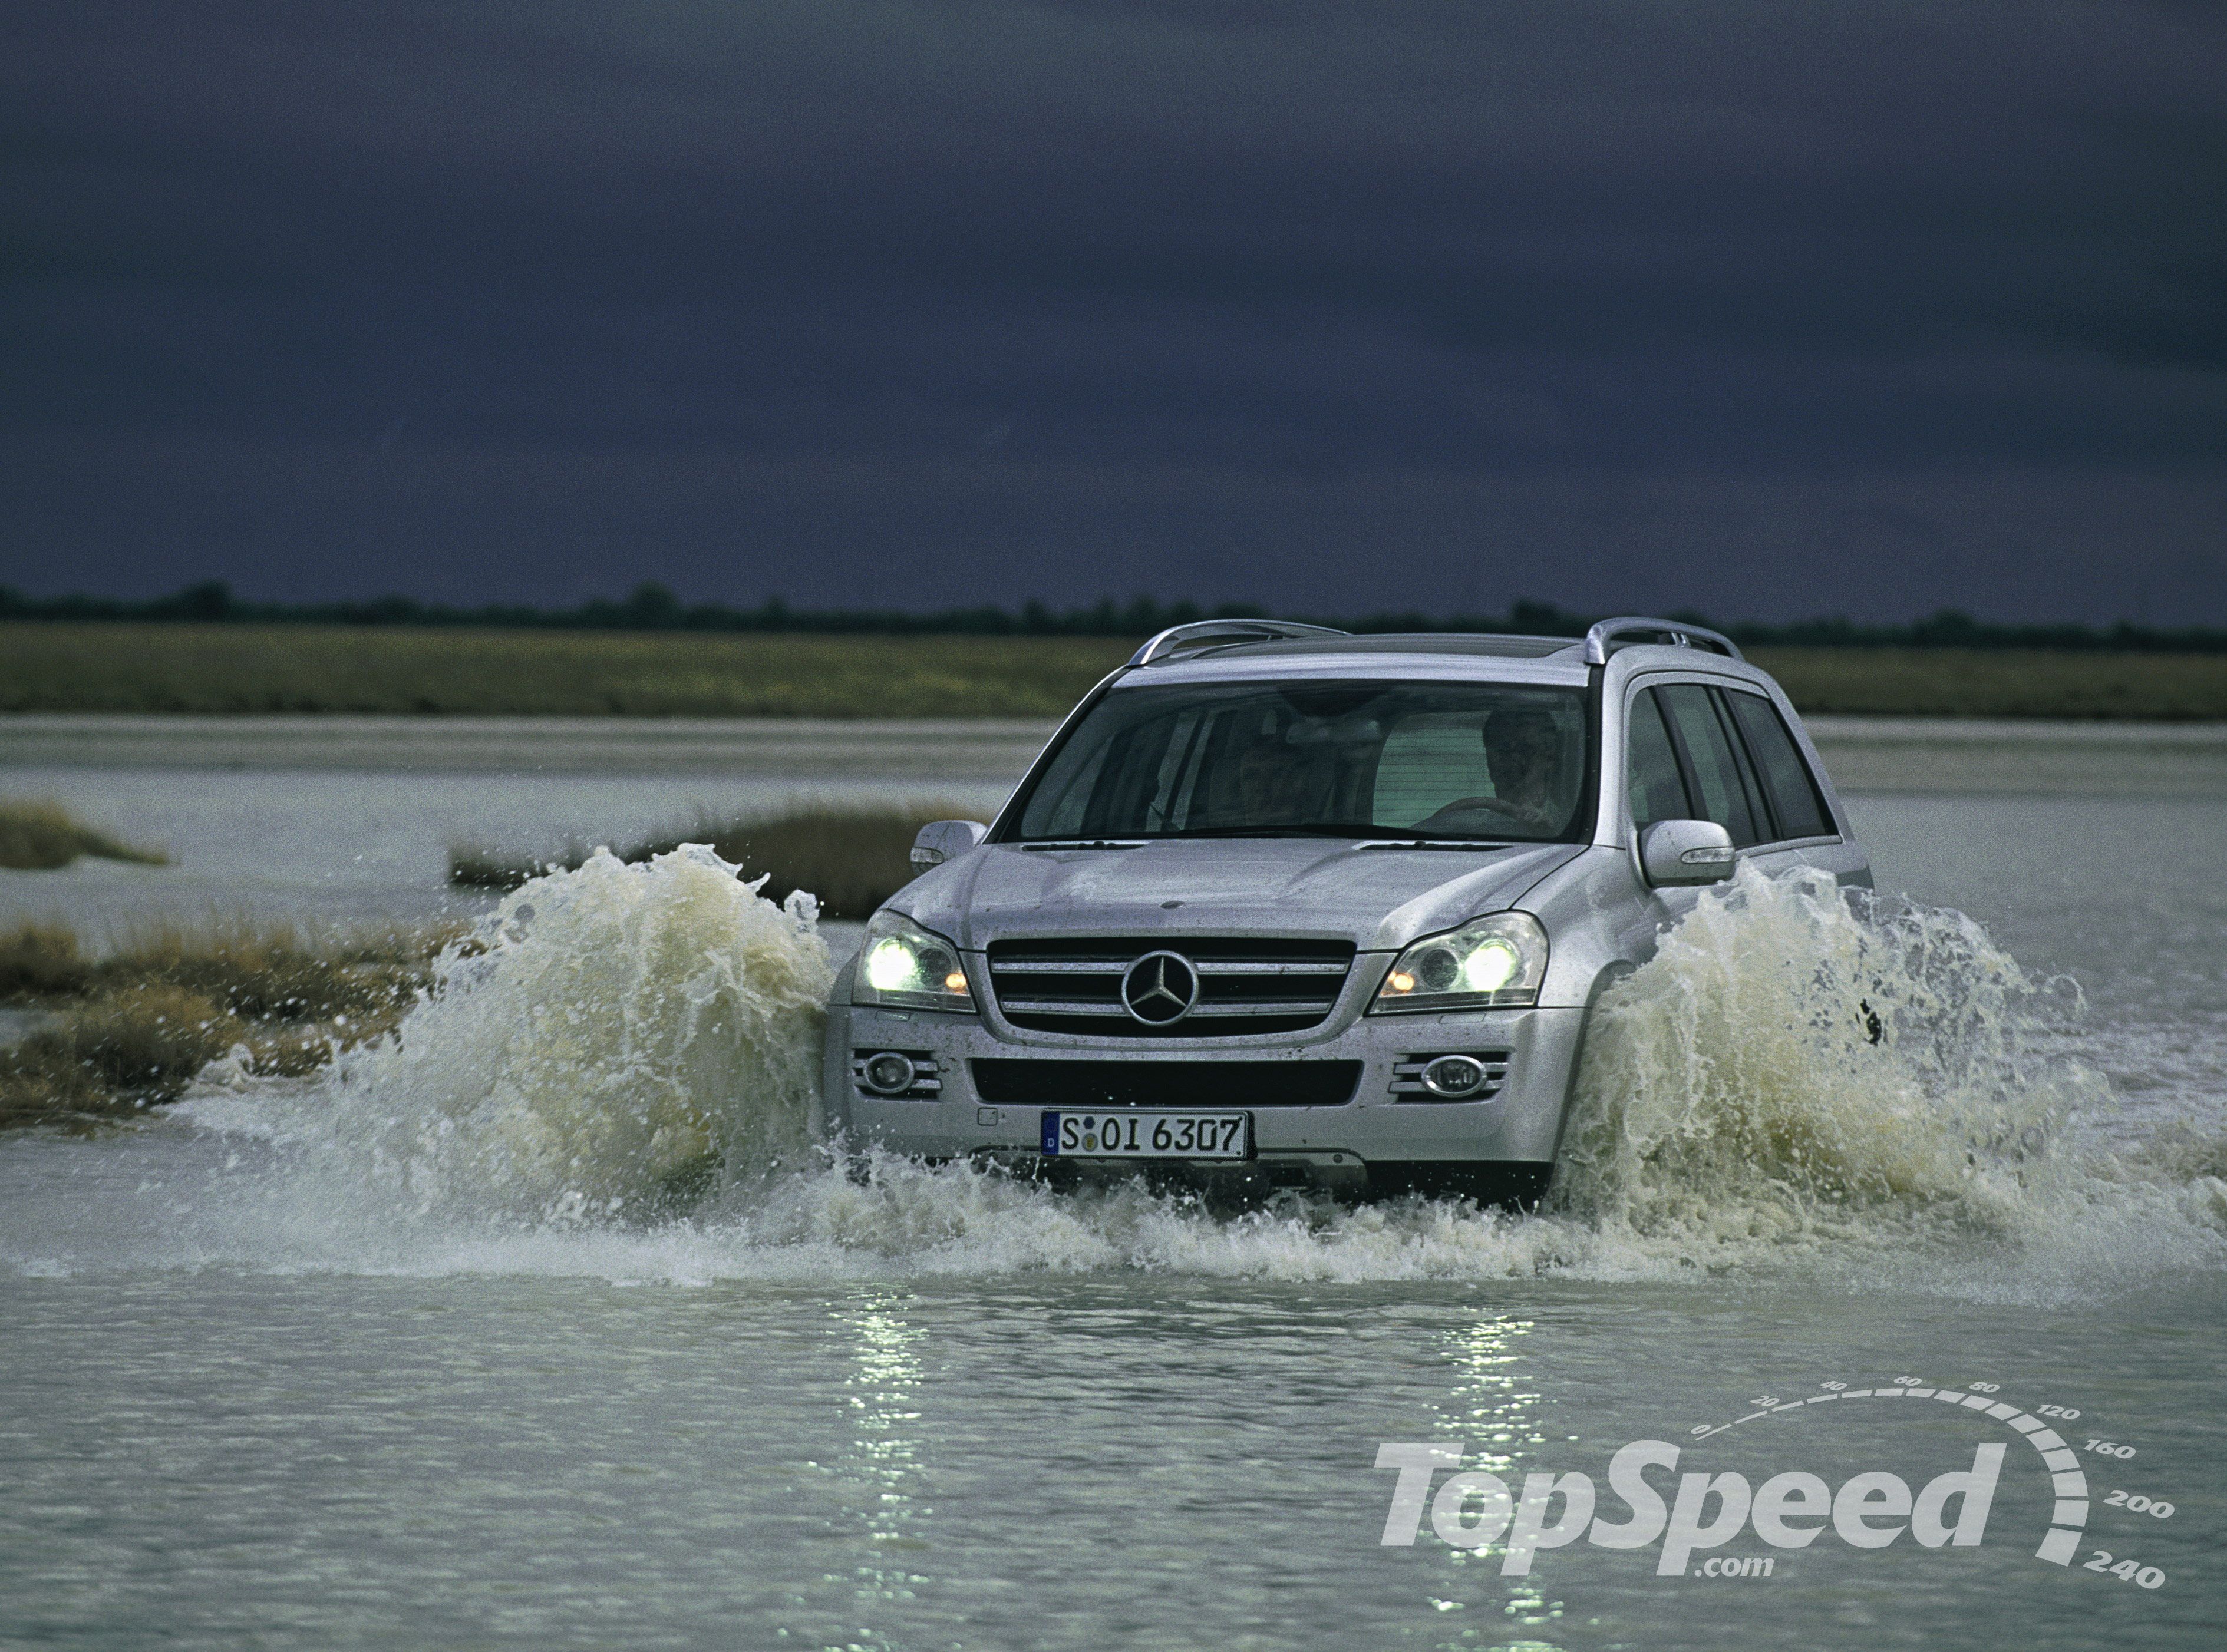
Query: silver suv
(1280,904)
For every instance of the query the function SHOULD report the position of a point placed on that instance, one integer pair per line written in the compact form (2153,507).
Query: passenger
(1271,777)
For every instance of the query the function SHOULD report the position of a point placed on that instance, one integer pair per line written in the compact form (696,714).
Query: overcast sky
(1770,310)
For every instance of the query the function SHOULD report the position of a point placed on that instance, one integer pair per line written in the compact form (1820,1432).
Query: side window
(1794,798)
(1651,766)
(1713,762)
(1751,783)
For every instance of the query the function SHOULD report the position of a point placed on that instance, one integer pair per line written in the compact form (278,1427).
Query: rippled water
(421,1354)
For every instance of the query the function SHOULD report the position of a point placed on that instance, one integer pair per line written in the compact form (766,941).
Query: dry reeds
(456,670)
(466,671)
(39,835)
(129,1031)
(852,859)
(40,960)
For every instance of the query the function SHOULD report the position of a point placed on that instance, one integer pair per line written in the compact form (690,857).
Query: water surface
(378,1362)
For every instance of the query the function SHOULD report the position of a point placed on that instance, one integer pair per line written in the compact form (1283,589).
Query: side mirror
(939,840)
(1686,852)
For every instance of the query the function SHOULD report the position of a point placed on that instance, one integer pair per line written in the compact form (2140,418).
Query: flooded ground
(410,1356)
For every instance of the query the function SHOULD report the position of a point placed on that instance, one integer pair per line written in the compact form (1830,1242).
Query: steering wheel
(1462,806)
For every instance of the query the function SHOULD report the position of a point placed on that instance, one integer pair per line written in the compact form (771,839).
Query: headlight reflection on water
(1493,1411)
(1491,1404)
(883,1453)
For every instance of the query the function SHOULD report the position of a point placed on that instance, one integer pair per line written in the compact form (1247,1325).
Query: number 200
(2138,1504)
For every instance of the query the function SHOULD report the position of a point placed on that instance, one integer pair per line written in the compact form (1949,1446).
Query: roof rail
(1676,633)
(1210,634)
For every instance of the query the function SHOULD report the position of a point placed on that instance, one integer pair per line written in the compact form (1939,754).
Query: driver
(1270,778)
(1523,755)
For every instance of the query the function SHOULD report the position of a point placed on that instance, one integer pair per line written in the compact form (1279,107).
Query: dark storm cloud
(1865,307)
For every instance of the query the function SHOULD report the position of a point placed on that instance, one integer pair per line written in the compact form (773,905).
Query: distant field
(219,668)
(215,668)
(2002,682)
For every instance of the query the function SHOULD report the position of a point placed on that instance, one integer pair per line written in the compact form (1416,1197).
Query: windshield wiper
(1366,837)
(1270,831)
(1390,836)
(1436,842)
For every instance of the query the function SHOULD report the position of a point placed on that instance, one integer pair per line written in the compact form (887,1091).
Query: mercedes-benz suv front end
(1283,905)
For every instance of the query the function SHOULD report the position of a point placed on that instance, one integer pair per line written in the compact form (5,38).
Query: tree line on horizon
(653,606)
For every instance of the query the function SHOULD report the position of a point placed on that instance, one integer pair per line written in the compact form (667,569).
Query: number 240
(2126,1571)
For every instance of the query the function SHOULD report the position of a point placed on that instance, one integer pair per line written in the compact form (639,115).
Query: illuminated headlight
(905,965)
(1487,963)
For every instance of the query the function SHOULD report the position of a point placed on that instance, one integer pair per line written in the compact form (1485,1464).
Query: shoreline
(1863,754)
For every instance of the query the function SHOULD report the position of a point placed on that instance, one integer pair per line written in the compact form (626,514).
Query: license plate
(1147,1135)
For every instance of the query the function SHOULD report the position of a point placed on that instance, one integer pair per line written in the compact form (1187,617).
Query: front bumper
(1370,1136)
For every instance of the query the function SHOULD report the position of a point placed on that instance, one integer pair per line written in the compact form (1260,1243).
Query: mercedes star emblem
(1160,987)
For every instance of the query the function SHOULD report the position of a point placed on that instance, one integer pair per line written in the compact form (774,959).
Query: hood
(1379,898)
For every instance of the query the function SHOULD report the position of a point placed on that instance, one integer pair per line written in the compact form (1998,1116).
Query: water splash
(1789,1085)
(1786,1065)
(611,1037)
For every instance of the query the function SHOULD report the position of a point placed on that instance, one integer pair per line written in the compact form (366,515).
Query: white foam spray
(1784,1066)
(609,1038)
(1786,1085)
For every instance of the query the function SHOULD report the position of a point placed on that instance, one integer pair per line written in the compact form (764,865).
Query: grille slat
(1074,985)
(1264,1006)
(1058,1006)
(1205,967)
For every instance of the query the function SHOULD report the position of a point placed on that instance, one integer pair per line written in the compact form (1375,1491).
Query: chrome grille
(1244,986)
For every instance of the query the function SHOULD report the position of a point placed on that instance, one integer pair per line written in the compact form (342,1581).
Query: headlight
(903,964)
(1487,962)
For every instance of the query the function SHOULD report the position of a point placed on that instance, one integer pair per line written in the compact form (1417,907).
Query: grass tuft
(38,835)
(852,859)
(128,1032)
(40,960)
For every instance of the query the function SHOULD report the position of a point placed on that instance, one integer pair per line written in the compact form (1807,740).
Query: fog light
(1455,1076)
(889,1072)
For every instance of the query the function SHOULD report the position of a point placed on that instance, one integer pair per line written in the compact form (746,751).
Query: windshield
(1499,761)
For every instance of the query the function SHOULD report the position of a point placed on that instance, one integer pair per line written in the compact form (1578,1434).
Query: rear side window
(1657,791)
(1715,763)
(1793,795)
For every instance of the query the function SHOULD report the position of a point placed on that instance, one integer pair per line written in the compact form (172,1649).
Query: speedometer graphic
(2068,1460)
(1685,1516)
